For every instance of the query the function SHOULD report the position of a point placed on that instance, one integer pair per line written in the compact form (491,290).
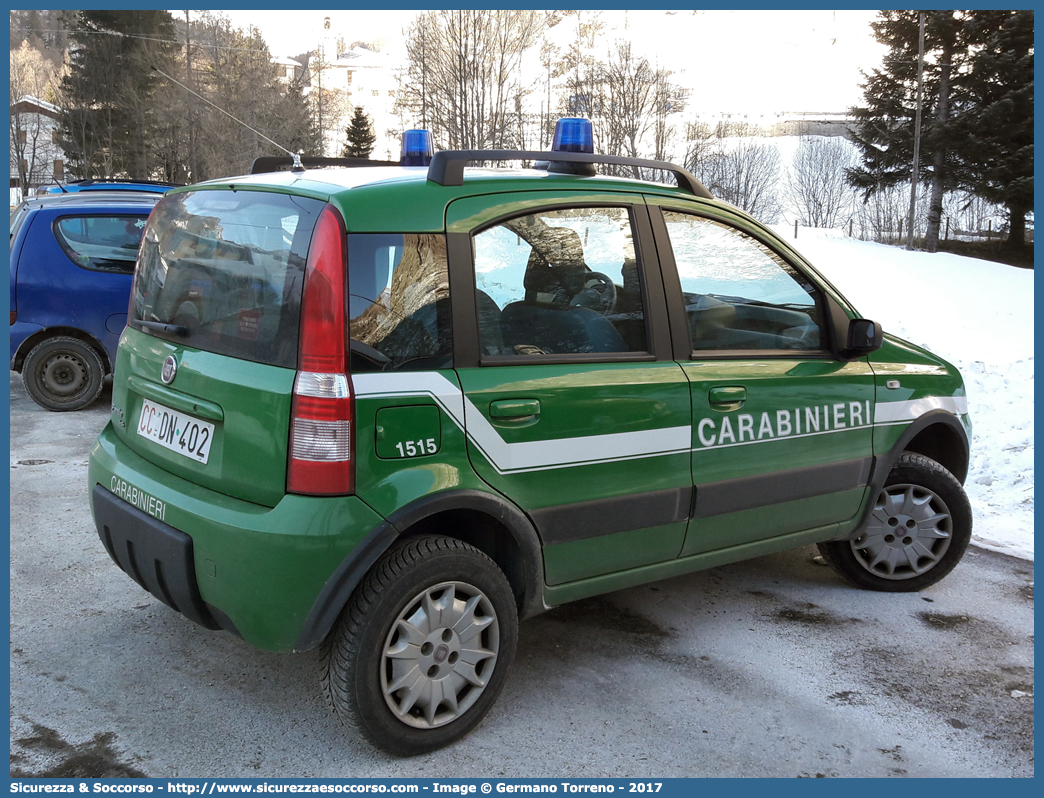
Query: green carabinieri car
(393,410)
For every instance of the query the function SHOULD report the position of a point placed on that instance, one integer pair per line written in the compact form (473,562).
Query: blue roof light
(573,135)
(416,148)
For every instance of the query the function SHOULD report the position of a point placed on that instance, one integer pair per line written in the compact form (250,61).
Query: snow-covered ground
(979,316)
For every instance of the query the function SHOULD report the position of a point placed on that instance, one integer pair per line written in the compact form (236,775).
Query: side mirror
(864,337)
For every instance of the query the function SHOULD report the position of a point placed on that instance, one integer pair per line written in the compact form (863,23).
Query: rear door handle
(728,397)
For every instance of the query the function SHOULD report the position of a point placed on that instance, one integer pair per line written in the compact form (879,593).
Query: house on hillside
(356,77)
(289,70)
(368,79)
(36,154)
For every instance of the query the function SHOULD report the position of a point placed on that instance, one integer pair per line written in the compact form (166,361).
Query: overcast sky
(737,61)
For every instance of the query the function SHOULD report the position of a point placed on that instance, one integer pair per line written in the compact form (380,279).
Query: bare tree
(970,213)
(737,167)
(629,102)
(817,181)
(32,146)
(329,103)
(232,69)
(668,99)
(463,75)
(699,146)
(882,213)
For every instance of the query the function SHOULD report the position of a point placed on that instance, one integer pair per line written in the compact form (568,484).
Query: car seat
(545,319)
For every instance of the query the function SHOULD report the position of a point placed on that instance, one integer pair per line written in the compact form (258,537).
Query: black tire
(918,532)
(422,579)
(63,374)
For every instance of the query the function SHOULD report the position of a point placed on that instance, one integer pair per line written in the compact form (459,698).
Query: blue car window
(101,243)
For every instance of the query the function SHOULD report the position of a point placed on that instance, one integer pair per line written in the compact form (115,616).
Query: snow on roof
(28,101)
(361,58)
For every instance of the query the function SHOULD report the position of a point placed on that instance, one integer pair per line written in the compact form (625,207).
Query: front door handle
(514,409)
(728,397)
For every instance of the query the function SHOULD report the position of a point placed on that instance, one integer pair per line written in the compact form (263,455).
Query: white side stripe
(584,450)
(526,455)
(888,412)
(445,393)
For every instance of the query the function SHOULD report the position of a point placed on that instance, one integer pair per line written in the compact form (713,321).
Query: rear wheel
(422,650)
(919,530)
(63,374)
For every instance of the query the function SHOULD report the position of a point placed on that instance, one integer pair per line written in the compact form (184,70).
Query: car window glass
(227,267)
(101,243)
(559,282)
(739,294)
(398,299)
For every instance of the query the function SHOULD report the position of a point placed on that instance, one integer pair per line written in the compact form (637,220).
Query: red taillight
(320,461)
(14,316)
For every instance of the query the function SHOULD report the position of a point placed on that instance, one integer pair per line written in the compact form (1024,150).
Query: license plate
(176,431)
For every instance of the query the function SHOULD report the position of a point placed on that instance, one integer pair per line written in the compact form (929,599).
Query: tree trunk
(1016,228)
(942,113)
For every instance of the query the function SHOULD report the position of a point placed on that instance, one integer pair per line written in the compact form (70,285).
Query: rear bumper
(156,556)
(223,562)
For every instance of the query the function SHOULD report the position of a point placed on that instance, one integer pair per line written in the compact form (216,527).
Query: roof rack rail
(447,166)
(276,163)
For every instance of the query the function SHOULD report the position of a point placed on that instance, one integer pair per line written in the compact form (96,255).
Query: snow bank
(979,316)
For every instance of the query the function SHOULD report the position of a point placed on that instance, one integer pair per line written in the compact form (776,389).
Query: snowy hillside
(979,316)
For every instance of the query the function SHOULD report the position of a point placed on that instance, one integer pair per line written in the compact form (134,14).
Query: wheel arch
(945,443)
(488,522)
(40,336)
(937,434)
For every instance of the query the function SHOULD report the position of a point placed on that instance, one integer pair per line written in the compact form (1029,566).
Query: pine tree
(108,95)
(297,132)
(360,134)
(998,123)
(977,117)
(884,130)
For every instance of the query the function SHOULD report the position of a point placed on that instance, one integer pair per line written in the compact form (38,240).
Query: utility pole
(917,137)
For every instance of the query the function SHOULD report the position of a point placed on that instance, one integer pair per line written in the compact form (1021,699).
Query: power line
(142,38)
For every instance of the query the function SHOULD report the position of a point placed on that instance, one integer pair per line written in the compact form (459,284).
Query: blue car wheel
(63,374)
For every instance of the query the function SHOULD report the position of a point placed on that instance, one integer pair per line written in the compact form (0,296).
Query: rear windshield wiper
(161,326)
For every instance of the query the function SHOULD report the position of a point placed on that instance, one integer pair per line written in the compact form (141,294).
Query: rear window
(101,243)
(226,268)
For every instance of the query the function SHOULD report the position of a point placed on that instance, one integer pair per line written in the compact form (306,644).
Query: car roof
(334,180)
(90,199)
(372,198)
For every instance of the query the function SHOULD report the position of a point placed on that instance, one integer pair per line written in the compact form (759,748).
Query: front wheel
(63,374)
(423,647)
(919,530)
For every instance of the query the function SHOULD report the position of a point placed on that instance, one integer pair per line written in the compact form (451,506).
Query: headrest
(556,267)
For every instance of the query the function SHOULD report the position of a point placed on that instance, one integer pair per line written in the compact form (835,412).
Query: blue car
(72,262)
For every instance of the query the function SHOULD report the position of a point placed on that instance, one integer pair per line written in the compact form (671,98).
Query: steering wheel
(598,294)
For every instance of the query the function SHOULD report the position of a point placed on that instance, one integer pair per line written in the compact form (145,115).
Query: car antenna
(297,167)
(63,188)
